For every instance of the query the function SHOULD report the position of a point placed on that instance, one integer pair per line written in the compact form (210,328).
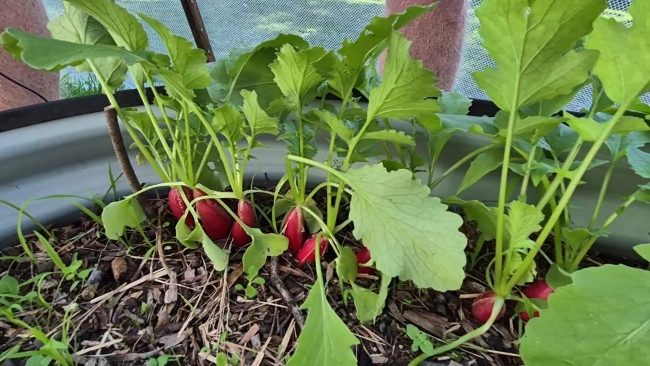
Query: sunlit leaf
(396,137)
(483,164)
(258,120)
(411,235)
(188,61)
(294,73)
(532,44)
(405,87)
(622,66)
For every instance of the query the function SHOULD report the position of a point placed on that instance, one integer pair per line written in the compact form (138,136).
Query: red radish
(363,257)
(246,213)
(294,229)
(482,307)
(215,220)
(538,290)
(307,253)
(178,206)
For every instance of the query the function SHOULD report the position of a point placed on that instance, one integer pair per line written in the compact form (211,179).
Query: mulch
(138,305)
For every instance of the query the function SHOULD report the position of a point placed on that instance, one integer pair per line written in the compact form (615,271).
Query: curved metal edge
(72,155)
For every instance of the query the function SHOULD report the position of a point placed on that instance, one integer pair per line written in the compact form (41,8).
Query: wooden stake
(123,159)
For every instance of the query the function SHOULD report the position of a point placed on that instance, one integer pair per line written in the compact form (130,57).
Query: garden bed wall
(71,156)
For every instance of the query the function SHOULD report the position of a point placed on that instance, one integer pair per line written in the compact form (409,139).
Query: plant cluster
(201,135)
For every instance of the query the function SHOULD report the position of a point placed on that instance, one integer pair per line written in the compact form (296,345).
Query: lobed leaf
(263,246)
(335,124)
(532,43)
(370,305)
(259,121)
(188,61)
(123,26)
(639,161)
(29,48)
(294,73)
(622,66)
(405,86)
(409,233)
(603,315)
(229,122)
(396,137)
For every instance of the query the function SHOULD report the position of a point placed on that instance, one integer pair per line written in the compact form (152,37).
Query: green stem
(477,250)
(188,143)
(300,195)
(460,163)
(155,164)
(610,220)
(204,161)
(291,176)
(239,174)
(602,193)
(498,304)
(564,201)
(156,127)
(244,163)
(161,106)
(550,192)
(529,165)
(398,147)
(217,144)
(332,210)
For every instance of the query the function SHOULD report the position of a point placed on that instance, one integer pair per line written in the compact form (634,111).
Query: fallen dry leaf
(171,295)
(119,267)
(172,340)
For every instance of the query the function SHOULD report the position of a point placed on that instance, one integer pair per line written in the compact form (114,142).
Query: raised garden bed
(191,277)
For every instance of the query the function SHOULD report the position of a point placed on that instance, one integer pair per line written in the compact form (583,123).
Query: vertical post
(194,19)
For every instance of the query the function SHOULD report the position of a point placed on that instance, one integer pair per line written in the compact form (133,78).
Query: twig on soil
(123,158)
(279,285)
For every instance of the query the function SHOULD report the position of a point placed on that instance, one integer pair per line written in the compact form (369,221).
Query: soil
(138,305)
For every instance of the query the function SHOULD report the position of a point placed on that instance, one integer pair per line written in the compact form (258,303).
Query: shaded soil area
(148,296)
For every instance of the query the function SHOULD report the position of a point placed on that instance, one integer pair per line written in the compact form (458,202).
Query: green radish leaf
(121,214)
(533,128)
(561,139)
(258,121)
(622,65)
(396,137)
(532,44)
(454,103)
(345,73)
(590,130)
(549,107)
(643,194)
(556,277)
(218,256)
(523,220)
(76,26)
(476,211)
(175,87)
(29,49)
(600,100)
(609,327)
(478,125)
(483,164)
(9,285)
(639,161)
(188,61)
(618,144)
(263,246)
(574,239)
(294,73)
(409,233)
(642,249)
(370,305)
(335,124)
(405,86)
(290,137)
(311,222)
(249,68)
(325,340)
(125,28)
(346,264)
(229,122)
(187,237)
